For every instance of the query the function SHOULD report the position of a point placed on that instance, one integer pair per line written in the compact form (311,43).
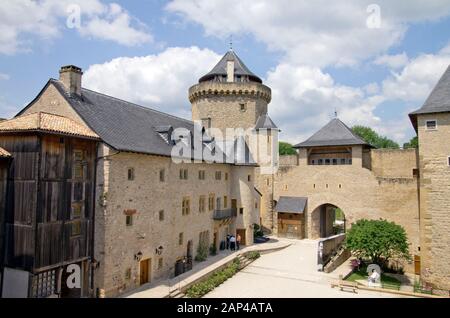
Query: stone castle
(136,216)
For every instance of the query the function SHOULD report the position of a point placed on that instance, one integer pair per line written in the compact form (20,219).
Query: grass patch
(202,288)
(386,281)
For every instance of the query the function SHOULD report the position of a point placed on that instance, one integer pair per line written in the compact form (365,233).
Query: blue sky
(316,56)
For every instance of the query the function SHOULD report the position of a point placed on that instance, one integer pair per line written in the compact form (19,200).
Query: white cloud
(22,21)
(4,77)
(304,99)
(317,33)
(393,61)
(115,26)
(416,80)
(158,81)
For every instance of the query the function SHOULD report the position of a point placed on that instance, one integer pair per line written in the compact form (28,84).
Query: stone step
(175,293)
(180,295)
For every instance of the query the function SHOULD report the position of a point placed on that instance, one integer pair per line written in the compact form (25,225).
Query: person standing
(233,243)
(228,241)
(238,241)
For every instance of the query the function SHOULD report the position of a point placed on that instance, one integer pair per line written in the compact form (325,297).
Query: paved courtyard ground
(291,273)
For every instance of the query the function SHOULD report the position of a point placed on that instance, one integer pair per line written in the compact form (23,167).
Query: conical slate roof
(221,68)
(265,122)
(335,133)
(438,101)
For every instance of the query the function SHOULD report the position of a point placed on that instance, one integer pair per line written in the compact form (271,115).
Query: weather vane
(231,42)
(335,113)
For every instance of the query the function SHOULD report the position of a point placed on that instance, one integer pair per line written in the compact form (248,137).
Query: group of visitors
(233,242)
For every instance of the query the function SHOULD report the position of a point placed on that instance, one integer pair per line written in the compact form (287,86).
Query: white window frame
(431,129)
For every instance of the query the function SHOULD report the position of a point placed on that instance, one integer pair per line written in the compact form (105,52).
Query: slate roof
(265,122)
(291,204)
(438,101)
(335,133)
(130,127)
(46,122)
(221,68)
(4,153)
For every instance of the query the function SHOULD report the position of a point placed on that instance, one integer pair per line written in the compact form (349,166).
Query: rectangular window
(160,263)
(211,202)
(343,161)
(130,174)
(225,202)
(226,176)
(350,161)
(249,178)
(218,203)
(76,228)
(183,174)
(242,107)
(129,220)
(241,210)
(78,155)
(76,210)
(201,174)
(201,204)
(431,124)
(185,206)
(161,215)
(218,175)
(335,161)
(78,170)
(327,161)
(320,162)
(180,238)
(162,175)
(313,162)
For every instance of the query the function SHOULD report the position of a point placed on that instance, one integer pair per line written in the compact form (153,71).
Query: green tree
(372,137)
(413,143)
(285,148)
(377,240)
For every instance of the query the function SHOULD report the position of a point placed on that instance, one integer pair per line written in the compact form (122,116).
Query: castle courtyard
(288,273)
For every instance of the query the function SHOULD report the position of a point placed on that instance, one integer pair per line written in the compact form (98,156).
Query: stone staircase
(341,255)
(243,261)
(177,293)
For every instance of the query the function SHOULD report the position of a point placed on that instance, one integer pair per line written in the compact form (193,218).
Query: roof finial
(231,42)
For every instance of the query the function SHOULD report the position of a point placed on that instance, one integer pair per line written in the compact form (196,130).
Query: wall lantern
(138,256)
(159,250)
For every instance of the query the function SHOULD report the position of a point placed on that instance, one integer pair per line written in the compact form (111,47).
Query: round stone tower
(229,96)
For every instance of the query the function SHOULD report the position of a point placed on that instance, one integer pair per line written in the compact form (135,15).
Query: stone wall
(358,191)
(117,244)
(394,163)
(52,102)
(434,150)
(221,102)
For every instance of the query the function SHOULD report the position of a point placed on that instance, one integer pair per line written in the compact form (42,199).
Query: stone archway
(327,220)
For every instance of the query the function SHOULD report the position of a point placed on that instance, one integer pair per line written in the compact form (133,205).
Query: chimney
(230,71)
(70,76)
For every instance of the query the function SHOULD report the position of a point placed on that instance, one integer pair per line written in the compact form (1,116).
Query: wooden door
(417,264)
(241,232)
(145,266)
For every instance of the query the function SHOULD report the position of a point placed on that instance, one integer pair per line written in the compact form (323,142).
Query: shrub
(257,231)
(253,255)
(202,288)
(202,253)
(213,249)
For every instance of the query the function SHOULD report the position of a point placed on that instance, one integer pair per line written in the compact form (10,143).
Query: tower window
(431,124)
(161,215)
(130,174)
(129,220)
(206,122)
(243,107)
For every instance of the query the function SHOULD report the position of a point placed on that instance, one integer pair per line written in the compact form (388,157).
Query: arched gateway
(327,220)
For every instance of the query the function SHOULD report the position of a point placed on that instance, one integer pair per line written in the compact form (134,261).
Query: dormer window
(165,132)
(431,124)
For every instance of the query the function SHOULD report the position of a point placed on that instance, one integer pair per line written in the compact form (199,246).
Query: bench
(345,284)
